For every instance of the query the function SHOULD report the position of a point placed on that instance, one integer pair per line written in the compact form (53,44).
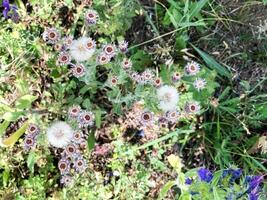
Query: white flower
(168,97)
(79,49)
(200,84)
(59,134)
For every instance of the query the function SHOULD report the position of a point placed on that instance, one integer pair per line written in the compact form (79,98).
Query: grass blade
(212,63)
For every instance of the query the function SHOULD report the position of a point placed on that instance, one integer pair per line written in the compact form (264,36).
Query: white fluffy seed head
(59,134)
(79,50)
(168,98)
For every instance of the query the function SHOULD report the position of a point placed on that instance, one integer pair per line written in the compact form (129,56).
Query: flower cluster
(31,137)
(72,158)
(228,182)
(10,11)
(83,117)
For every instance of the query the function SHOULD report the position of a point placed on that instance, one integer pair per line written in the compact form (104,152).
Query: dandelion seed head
(59,134)
(168,98)
(80,51)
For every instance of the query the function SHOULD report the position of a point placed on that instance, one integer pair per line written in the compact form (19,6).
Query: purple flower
(6,12)
(6,7)
(188,181)
(253,195)
(205,175)
(254,182)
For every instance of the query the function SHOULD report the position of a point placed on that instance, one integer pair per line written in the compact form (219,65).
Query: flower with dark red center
(157,82)
(74,111)
(200,84)
(176,76)
(103,59)
(78,70)
(113,81)
(66,180)
(192,68)
(80,164)
(146,117)
(51,36)
(63,58)
(192,107)
(90,44)
(109,50)
(29,142)
(86,118)
(172,116)
(64,166)
(33,129)
(91,17)
(123,46)
(126,64)
(77,137)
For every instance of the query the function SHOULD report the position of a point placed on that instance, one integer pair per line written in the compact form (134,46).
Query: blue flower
(254,182)
(253,196)
(205,175)
(6,12)
(188,181)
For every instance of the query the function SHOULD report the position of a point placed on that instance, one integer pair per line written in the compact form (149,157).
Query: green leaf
(5,176)
(212,63)
(25,101)
(31,160)
(165,189)
(4,126)
(91,141)
(197,8)
(98,118)
(12,116)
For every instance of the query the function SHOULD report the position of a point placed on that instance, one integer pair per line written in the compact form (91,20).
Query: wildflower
(141,79)
(148,75)
(135,76)
(192,107)
(86,118)
(77,137)
(168,97)
(254,182)
(113,80)
(192,68)
(66,180)
(157,82)
(126,64)
(29,141)
(71,150)
(74,111)
(51,36)
(253,196)
(205,175)
(79,49)
(176,76)
(33,129)
(109,50)
(67,41)
(58,47)
(103,59)
(83,144)
(146,117)
(64,58)
(172,115)
(91,17)
(78,70)
(59,134)
(163,122)
(199,84)
(188,181)
(63,166)
(123,46)
(6,12)
(80,164)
